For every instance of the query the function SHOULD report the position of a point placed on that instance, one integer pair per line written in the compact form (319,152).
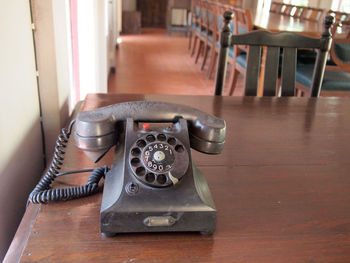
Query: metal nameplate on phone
(159,221)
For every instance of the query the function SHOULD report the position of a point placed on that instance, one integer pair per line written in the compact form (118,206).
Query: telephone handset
(153,184)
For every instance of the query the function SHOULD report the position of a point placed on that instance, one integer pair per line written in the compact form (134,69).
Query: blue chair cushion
(197,11)
(204,14)
(197,28)
(306,56)
(342,51)
(219,21)
(242,30)
(242,60)
(332,81)
(232,26)
(210,37)
(210,18)
(204,33)
(230,52)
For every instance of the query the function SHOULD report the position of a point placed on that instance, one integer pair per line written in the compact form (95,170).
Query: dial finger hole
(150,177)
(150,138)
(179,148)
(141,143)
(140,171)
(161,179)
(161,137)
(172,141)
(135,161)
(135,151)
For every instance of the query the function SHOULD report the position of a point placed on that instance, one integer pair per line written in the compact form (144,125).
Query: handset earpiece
(96,129)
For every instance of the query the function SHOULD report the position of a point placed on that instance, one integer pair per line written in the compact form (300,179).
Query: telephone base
(188,208)
(195,221)
(132,203)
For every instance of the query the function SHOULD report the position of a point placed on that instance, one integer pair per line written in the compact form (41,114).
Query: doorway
(153,13)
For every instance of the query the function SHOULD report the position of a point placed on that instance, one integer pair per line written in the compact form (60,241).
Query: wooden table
(277,23)
(281,187)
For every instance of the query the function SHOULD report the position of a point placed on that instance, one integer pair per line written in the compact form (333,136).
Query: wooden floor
(153,63)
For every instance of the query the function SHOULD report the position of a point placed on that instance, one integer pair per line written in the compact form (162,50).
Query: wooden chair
(287,9)
(211,39)
(276,7)
(195,16)
(340,50)
(220,9)
(297,12)
(339,16)
(336,81)
(289,42)
(203,34)
(201,30)
(237,55)
(311,13)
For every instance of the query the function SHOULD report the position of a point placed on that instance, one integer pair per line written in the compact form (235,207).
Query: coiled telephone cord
(42,192)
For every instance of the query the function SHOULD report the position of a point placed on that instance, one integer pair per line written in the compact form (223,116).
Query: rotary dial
(158,159)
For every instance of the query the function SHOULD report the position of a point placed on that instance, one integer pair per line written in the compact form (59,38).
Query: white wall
(20,135)
(53,62)
(63,51)
(92,45)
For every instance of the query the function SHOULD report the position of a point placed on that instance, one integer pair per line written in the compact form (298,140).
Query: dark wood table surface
(281,187)
(277,23)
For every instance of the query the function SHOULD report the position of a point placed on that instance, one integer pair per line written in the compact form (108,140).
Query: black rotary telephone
(153,184)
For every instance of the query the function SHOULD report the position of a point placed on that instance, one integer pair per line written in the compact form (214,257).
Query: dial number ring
(158,164)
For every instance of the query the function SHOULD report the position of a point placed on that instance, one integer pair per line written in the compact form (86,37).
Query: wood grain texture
(281,187)
(278,22)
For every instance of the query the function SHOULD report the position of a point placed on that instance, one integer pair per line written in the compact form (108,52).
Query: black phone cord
(43,193)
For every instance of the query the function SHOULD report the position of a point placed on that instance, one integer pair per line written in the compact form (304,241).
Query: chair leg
(199,50)
(233,80)
(207,48)
(195,40)
(214,65)
(211,60)
(190,39)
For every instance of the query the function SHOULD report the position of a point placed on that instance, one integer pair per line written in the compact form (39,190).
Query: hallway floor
(153,63)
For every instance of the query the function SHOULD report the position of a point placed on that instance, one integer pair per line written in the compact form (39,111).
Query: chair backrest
(275,7)
(340,49)
(298,10)
(289,42)
(211,17)
(242,24)
(339,16)
(196,10)
(203,17)
(243,20)
(312,13)
(287,9)
(219,21)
